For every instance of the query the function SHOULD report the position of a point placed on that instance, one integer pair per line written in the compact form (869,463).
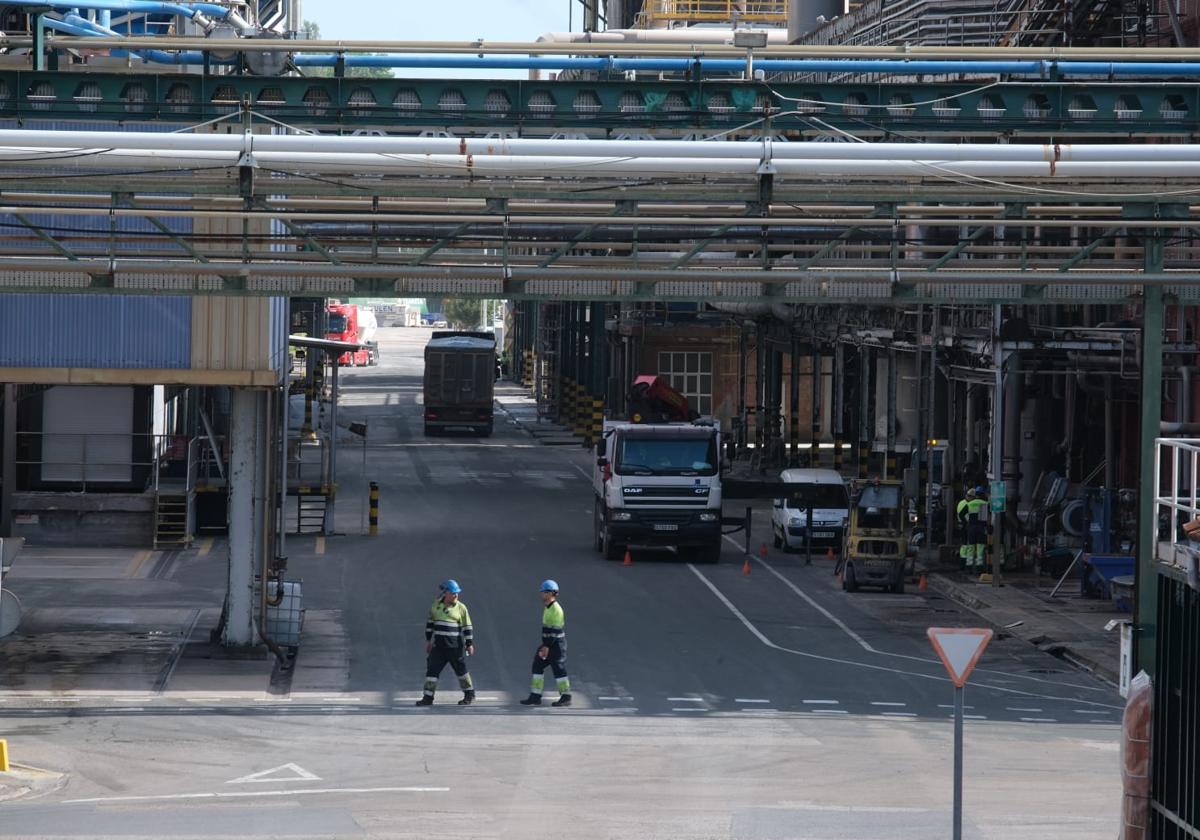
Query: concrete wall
(74,519)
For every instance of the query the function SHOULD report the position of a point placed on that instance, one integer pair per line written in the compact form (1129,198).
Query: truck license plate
(822,535)
(659,526)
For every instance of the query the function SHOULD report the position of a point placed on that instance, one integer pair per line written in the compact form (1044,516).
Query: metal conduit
(594,232)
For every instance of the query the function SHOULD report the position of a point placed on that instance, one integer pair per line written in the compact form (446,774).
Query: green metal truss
(917,108)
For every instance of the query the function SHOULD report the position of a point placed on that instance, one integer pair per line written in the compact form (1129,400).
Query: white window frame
(686,370)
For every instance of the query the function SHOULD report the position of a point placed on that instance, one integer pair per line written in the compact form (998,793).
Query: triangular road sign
(959,648)
(283,773)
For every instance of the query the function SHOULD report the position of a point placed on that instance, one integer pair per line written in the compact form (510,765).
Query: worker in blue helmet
(977,531)
(449,640)
(552,651)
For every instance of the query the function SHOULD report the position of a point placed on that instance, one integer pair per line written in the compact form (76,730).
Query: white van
(827,493)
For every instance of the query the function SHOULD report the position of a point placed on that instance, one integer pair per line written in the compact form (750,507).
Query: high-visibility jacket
(449,626)
(554,630)
(977,520)
(960,512)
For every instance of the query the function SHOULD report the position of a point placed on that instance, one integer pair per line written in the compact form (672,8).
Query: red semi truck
(346,322)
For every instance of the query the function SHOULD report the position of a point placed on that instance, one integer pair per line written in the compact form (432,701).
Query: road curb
(1062,650)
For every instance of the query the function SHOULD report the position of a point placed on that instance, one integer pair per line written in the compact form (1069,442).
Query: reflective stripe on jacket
(554,630)
(449,625)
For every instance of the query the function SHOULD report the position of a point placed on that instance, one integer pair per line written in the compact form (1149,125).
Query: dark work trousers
(438,659)
(556,660)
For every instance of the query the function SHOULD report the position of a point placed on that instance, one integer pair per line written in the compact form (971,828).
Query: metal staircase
(172,518)
(311,510)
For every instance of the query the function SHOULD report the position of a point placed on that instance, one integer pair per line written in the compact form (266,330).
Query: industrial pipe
(688,35)
(477,148)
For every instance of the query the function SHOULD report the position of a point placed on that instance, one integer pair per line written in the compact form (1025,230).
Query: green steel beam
(1145,615)
(439,245)
(1087,251)
(960,246)
(829,247)
(1049,109)
(45,237)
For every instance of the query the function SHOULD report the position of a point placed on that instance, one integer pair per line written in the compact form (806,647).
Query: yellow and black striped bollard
(373,512)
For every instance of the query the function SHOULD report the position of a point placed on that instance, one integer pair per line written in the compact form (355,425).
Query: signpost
(959,648)
(997,500)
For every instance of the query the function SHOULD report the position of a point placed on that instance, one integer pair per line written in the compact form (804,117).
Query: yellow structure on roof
(655,13)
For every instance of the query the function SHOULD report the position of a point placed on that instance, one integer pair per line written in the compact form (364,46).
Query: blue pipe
(146,6)
(75,25)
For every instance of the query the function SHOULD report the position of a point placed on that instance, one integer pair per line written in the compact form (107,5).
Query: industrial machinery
(876,548)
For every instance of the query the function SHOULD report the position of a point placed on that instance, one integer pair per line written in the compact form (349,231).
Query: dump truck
(460,378)
(657,477)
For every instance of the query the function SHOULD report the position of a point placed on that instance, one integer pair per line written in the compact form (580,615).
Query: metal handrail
(159,446)
(1185,453)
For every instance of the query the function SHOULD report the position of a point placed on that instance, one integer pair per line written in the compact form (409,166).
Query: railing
(1177,497)
(713,11)
(87,461)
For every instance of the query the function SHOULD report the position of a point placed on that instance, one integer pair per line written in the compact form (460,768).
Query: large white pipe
(689,35)
(578,166)
(67,141)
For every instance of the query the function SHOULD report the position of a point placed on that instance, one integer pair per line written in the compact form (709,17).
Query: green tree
(311,31)
(462,313)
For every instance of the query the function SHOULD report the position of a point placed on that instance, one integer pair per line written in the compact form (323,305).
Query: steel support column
(1145,616)
(890,467)
(815,432)
(8,460)
(794,403)
(864,411)
(837,409)
(244,543)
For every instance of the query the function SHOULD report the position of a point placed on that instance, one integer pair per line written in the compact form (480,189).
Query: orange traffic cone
(628,558)
(746,566)
(924,582)
(762,551)
(829,553)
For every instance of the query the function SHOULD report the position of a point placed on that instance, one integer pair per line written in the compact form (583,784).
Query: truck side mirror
(779,503)
(601,461)
(600,449)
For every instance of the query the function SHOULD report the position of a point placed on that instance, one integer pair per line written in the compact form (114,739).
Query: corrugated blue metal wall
(95,331)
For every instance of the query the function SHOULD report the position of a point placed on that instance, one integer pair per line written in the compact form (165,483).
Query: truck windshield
(337,323)
(667,456)
(879,507)
(819,496)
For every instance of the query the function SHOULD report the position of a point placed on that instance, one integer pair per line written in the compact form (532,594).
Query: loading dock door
(87,434)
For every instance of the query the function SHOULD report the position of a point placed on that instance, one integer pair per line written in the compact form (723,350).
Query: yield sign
(283,773)
(959,648)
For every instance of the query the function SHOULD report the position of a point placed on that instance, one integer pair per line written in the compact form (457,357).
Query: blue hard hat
(549,586)
(980,489)
(451,586)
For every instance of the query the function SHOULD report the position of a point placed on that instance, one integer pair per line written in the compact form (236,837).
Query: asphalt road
(709,703)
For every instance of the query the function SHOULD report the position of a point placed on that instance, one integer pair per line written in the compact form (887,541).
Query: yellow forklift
(876,547)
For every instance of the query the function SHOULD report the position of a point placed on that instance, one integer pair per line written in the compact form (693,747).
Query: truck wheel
(709,553)
(611,550)
(849,581)
(898,586)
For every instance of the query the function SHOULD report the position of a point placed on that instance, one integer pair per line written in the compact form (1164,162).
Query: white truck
(657,478)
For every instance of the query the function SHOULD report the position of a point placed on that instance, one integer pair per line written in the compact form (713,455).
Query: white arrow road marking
(298,774)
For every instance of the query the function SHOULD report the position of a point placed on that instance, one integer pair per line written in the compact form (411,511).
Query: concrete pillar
(245,545)
(864,411)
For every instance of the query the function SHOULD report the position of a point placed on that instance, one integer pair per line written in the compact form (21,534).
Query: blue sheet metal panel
(93,331)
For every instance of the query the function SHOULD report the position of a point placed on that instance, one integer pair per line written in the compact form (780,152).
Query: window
(690,373)
(667,456)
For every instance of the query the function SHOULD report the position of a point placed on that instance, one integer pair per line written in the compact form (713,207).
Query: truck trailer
(460,378)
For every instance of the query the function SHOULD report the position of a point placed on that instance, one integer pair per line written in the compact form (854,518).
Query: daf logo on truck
(657,477)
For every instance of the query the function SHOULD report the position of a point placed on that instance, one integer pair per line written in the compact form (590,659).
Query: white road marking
(820,702)
(609,699)
(743,700)
(341,699)
(242,794)
(758,709)
(869,649)
(62,700)
(130,699)
(971,717)
(758,634)
(946,706)
(884,703)
(899,714)
(686,699)
(1086,711)
(829,712)
(1020,709)
(125,709)
(298,774)
(687,709)
(1039,720)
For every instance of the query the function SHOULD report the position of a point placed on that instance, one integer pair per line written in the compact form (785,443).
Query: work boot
(426,700)
(532,700)
(564,700)
(468,698)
